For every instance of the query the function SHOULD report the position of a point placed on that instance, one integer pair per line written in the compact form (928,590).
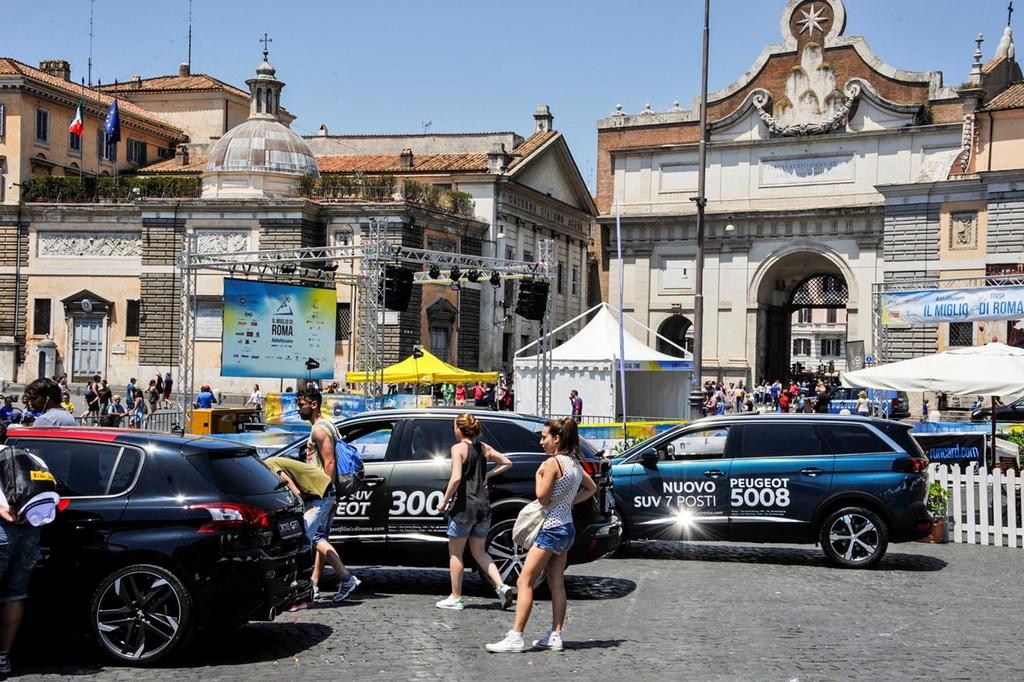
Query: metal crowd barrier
(164,420)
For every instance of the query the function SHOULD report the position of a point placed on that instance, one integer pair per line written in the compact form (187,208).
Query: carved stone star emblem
(814,20)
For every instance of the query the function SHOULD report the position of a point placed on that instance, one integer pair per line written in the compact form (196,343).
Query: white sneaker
(316,592)
(450,602)
(512,644)
(551,641)
(505,596)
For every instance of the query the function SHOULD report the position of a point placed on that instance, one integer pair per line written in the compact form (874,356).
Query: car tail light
(591,466)
(910,465)
(228,516)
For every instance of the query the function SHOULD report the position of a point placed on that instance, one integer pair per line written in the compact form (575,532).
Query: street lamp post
(696,400)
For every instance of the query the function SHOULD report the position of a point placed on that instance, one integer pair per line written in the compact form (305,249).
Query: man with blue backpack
(339,462)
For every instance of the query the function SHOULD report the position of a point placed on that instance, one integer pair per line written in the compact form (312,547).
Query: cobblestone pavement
(680,611)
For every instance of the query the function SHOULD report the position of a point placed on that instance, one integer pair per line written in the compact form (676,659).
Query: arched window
(259,100)
(270,101)
(678,330)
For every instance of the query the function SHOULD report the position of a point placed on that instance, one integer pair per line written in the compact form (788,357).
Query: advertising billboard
(271,330)
(909,308)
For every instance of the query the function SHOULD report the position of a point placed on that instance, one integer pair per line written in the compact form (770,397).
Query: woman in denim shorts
(470,514)
(561,483)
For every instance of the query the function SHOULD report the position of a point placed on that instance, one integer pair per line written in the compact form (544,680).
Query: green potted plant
(938,501)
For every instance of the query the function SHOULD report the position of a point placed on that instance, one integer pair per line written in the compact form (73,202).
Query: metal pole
(698,298)
(17,285)
(622,331)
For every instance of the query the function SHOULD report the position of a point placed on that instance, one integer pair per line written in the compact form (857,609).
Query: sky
(475,65)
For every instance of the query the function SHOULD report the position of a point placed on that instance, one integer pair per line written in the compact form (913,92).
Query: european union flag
(112,126)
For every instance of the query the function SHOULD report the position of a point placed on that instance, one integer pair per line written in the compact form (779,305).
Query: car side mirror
(649,457)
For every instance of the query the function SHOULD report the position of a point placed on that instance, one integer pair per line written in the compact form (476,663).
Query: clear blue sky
(476,65)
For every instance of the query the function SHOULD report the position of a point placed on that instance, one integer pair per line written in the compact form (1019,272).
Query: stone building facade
(964,224)
(36,108)
(797,147)
(94,289)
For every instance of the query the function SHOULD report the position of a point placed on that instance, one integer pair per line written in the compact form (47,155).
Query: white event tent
(657,385)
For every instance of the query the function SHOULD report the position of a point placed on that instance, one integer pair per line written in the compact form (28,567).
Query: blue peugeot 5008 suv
(850,484)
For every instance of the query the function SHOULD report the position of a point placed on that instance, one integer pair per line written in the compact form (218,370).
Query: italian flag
(76,126)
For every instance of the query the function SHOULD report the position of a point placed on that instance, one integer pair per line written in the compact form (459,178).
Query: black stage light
(473,276)
(495,279)
(455,274)
(434,272)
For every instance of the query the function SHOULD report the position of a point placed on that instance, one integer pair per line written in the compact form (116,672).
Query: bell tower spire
(265,89)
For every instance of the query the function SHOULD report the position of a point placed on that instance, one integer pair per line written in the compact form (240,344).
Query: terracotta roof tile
(530,145)
(197,82)
(13,67)
(378,163)
(392,163)
(196,164)
(1010,98)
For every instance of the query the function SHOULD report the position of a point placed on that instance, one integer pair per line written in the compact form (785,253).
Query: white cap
(41,509)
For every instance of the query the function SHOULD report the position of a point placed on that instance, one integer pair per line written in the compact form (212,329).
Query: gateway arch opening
(802,320)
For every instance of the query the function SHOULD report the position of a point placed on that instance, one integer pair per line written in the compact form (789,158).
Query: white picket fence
(984,505)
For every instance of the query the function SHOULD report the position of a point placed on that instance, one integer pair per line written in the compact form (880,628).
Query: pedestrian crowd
(806,396)
(103,407)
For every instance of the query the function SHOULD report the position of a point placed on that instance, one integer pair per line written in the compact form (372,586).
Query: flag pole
(100,138)
(81,166)
(117,142)
(622,331)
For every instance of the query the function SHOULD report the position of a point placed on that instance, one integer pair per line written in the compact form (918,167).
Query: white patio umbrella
(994,369)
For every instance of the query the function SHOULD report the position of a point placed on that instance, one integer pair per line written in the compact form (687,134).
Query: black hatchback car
(393,520)
(157,536)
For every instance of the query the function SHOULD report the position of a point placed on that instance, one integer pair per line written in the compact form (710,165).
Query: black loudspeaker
(397,287)
(533,299)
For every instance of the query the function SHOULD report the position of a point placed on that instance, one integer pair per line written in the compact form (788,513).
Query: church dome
(262,157)
(263,146)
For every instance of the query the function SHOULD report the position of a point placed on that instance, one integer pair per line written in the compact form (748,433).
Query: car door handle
(372,481)
(714,473)
(812,471)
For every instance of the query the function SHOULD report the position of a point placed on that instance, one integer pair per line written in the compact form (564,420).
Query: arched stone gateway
(678,330)
(801,302)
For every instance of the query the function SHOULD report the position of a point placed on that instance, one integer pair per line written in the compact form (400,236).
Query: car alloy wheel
(854,537)
(508,556)
(141,614)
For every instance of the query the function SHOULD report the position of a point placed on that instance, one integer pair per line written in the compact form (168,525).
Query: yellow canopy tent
(429,369)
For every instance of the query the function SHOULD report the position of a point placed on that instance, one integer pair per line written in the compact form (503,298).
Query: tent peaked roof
(429,369)
(599,340)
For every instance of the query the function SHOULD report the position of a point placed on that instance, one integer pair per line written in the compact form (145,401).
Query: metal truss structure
(546,249)
(882,334)
(318,266)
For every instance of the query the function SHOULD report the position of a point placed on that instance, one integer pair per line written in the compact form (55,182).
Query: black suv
(158,535)
(407,456)
(850,484)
